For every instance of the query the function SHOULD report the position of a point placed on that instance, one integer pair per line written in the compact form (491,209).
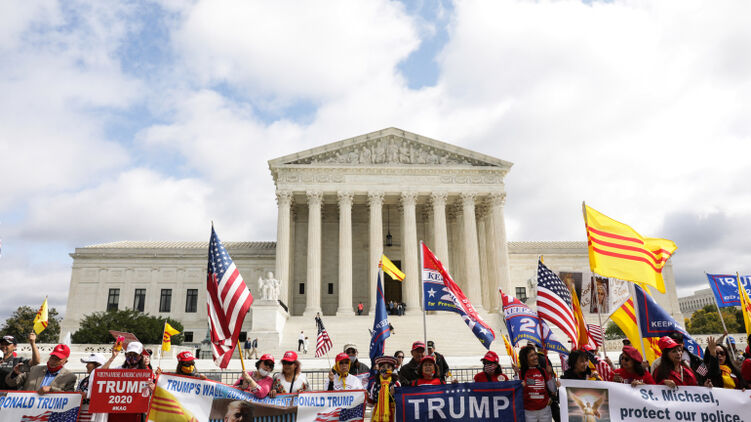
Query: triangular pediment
(389,147)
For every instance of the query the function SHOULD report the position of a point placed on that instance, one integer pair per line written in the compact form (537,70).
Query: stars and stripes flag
(50,416)
(342,414)
(595,333)
(228,301)
(323,341)
(554,302)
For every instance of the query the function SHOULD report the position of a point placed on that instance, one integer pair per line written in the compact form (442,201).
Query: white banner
(588,401)
(23,406)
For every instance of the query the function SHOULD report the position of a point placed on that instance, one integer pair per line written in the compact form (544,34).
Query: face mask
(352,358)
(489,368)
(131,360)
(54,368)
(263,372)
(187,369)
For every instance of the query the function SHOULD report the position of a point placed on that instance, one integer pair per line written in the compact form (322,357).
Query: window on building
(331,288)
(165,300)
(521,293)
(191,300)
(188,336)
(139,300)
(113,299)
(302,288)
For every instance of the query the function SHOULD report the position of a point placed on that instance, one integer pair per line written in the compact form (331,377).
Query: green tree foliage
(613,331)
(21,323)
(95,327)
(707,321)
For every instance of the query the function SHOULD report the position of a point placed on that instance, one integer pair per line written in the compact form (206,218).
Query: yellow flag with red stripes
(617,250)
(42,318)
(392,270)
(509,349)
(745,304)
(167,337)
(166,408)
(625,319)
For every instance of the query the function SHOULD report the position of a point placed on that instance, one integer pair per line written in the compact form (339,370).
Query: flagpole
(161,347)
(718,305)
(638,320)
(422,296)
(240,352)
(539,320)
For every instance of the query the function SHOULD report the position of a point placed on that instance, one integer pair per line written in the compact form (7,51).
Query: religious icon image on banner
(588,404)
(572,279)
(598,294)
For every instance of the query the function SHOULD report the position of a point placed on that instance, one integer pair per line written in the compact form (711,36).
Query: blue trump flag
(380,325)
(725,288)
(468,402)
(523,324)
(656,322)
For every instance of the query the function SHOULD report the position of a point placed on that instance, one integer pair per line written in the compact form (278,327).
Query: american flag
(595,334)
(554,302)
(342,414)
(50,416)
(601,366)
(323,342)
(228,300)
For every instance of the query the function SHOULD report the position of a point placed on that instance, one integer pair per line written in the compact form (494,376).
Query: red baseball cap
(667,343)
(632,353)
(61,351)
(426,358)
(418,345)
(185,356)
(341,356)
(266,357)
(289,356)
(491,356)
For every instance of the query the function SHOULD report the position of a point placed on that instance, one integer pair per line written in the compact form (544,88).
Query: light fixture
(389,238)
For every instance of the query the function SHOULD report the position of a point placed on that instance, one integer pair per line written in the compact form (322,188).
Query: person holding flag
(381,393)
(41,319)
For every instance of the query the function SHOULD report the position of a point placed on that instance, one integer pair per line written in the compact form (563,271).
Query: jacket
(32,380)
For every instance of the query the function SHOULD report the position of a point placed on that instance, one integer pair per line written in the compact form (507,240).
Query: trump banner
(586,401)
(190,399)
(24,406)
(523,324)
(477,401)
(120,391)
(725,288)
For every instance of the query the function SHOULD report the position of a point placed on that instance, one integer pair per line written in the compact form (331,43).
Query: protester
(339,376)
(442,367)
(746,365)
(9,359)
(722,371)
(356,367)
(291,379)
(428,373)
(246,348)
(93,361)
(50,378)
(408,372)
(491,369)
(300,340)
(186,365)
(305,345)
(239,411)
(259,381)
(146,358)
(399,355)
(360,307)
(578,367)
(381,393)
(537,386)
(693,361)
(631,370)
(133,357)
(254,349)
(672,371)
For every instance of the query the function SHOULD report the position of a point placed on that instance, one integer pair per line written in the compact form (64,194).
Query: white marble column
(345,254)
(471,254)
(283,240)
(440,232)
(313,283)
(480,211)
(499,252)
(375,202)
(412,281)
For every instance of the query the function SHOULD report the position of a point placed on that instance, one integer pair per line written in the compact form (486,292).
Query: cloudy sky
(146,120)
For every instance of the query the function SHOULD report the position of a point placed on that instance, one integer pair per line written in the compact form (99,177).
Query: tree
(21,324)
(95,327)
(614,331)
(707,321)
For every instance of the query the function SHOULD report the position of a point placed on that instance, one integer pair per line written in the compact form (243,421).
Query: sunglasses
(400,357)
(720,353)
(284,362)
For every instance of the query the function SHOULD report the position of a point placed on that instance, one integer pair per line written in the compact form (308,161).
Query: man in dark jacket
(356,367)
(408,372)
(440,361)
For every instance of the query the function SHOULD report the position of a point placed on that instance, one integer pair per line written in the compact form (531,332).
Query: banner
(523,324)
(656,322)
(725,288)
(120,391)
(587,401)
(477,401)
(192,399)
(15,407)
(611,292)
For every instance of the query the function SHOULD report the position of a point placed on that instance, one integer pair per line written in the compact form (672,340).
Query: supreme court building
(340,206)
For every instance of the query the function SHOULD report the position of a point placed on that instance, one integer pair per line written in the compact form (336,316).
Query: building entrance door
(392,288)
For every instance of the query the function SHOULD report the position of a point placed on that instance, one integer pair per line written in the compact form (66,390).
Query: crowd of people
(719,368)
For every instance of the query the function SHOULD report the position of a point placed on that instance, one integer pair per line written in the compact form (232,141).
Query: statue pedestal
(268,320)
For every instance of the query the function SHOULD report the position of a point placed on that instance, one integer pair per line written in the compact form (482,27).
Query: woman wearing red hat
(631,370)
(491,369)
(259,381)
(538,386)
(186,365)
(339,376)
(672,371)
(427,372)
(291,379)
